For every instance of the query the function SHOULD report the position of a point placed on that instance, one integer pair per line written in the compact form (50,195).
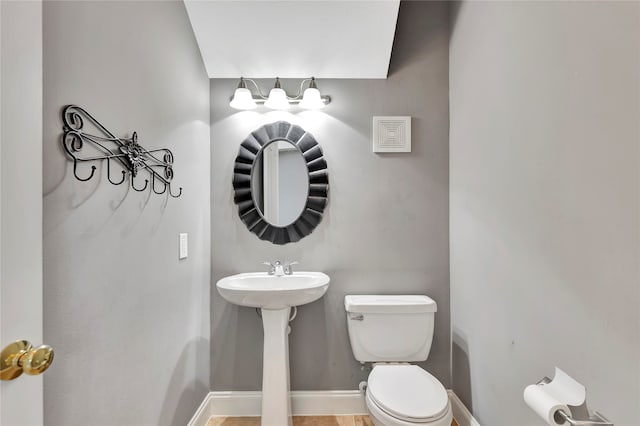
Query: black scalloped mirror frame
(318,194)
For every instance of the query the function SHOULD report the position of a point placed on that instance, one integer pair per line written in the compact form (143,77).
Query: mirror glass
(280,183)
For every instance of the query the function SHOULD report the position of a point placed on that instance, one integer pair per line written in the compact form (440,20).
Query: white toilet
(392,331)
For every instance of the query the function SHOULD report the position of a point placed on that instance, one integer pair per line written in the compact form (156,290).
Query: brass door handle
(21,357)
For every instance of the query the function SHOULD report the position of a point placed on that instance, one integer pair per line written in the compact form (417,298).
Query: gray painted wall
(545,100)
(129,322)
(386,226)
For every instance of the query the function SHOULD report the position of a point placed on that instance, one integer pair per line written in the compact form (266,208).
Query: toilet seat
(408,393)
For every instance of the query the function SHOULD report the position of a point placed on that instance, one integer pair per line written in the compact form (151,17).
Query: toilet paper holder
(592,419)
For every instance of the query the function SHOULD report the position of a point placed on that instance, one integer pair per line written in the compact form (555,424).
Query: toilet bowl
(390,332)
(406,395)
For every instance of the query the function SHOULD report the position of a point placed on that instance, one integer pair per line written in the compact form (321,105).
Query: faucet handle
(272,267)
(288,267)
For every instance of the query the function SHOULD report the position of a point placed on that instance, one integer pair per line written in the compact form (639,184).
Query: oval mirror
(280,182)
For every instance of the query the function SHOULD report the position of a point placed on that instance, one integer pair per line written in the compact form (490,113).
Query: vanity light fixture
(311,98)
(242,98)
(278,99)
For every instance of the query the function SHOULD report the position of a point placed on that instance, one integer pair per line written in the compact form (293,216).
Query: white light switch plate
(184,246)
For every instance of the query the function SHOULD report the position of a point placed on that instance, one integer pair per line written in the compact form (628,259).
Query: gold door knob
(20,357)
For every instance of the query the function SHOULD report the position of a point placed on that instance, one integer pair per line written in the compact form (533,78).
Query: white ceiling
(294,39)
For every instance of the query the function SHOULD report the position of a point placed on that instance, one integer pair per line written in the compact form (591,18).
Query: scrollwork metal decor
(126,152)
(318,192)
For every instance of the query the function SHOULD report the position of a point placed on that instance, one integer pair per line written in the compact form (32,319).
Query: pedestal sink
(274,295)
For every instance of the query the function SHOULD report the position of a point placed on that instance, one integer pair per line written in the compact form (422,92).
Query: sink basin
(261,290)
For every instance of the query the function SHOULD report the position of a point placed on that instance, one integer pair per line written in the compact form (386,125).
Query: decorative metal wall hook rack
(126,152)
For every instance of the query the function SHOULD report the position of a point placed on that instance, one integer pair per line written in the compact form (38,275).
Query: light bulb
(277,99)
(311,99)
(242,99)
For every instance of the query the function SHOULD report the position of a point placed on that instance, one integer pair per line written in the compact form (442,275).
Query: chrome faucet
(279,269)
(275,268)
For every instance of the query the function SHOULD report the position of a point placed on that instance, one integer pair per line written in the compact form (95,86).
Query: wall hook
(132,157)
(146,184)
(75,172)
(175,196)
(124,174)
(153,186)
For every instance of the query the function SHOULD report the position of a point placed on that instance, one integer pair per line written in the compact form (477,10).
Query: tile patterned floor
(299,421)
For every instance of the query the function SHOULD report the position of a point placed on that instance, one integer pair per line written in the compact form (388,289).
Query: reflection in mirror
(280,183)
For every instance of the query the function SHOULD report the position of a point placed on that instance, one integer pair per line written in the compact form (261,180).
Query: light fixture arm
(262,95)
(300,91)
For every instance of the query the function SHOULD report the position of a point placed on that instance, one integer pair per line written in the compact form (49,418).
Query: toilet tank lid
(387,304)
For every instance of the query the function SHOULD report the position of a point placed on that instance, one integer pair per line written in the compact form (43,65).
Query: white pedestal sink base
(275,295)
(276,404)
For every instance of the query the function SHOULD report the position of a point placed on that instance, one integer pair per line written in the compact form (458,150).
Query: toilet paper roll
(566,389)
(545,405)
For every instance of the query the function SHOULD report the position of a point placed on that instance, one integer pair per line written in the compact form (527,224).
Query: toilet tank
(390,328)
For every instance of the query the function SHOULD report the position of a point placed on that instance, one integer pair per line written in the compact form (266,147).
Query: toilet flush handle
(356,316)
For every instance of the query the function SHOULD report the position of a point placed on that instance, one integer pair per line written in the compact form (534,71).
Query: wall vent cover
(392,134)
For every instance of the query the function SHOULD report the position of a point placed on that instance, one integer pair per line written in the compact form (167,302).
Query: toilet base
(380,418)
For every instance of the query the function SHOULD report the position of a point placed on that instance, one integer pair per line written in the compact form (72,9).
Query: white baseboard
(326,403)
(460,412)
(202,414)
(303,403)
